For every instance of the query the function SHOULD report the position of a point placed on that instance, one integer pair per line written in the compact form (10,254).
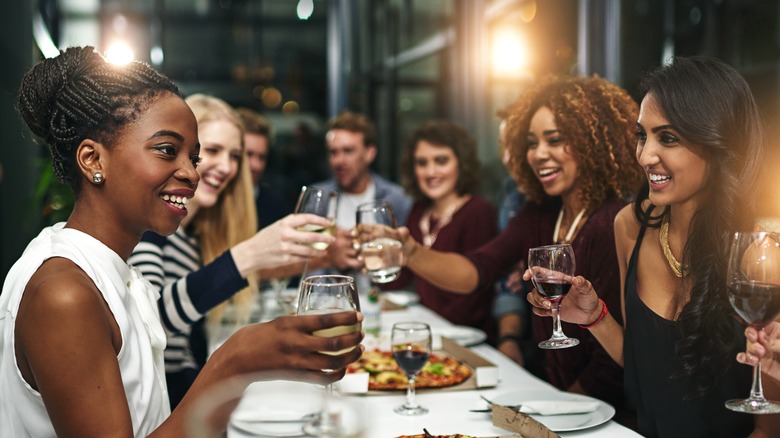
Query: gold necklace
(663,236)
(429,235)
(572,227)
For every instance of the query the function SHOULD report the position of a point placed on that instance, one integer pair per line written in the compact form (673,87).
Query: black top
(663,406)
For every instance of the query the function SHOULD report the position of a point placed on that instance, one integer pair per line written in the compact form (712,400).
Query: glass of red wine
(552,267)
(753,281)
(411,346)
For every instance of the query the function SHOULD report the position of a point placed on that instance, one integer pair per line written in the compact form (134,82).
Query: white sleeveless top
(133,302)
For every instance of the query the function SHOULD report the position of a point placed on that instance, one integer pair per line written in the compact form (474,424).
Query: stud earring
(97,178)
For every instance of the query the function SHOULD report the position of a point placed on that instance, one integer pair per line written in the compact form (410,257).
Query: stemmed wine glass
(552,267)
(380,250)
(321,294)
(321,203)
(753,281)
(411,346)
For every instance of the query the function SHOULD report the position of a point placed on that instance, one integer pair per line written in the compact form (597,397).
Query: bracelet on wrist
(604,312)
(509,337)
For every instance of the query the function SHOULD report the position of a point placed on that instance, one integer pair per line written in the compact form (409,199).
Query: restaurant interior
(401,62)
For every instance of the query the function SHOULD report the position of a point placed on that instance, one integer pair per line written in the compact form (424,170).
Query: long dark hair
(711,106)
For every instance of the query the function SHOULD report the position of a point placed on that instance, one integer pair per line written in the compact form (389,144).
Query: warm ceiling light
(119,53)
(305,9)
(509,53)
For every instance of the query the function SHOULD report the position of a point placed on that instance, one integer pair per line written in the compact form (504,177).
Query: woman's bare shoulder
(626,229)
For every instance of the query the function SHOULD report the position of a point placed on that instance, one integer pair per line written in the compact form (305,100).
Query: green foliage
(55,198)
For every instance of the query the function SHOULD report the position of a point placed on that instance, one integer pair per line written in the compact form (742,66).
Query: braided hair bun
(79,95)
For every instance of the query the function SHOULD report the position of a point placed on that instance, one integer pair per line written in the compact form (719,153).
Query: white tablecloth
(449,411)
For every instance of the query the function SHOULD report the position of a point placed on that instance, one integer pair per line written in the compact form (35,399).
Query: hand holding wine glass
(376,239)
(411,346)
(322,294)
(552,268)
(319,202)
(753,281)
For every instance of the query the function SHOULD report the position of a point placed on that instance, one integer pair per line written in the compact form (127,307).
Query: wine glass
(321,203)
(378,247)
(753,281)
(411,346)
(552,267)
(321,294)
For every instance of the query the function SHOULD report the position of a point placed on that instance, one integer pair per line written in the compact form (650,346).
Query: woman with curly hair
(440,170)
(569,144)
(699,141)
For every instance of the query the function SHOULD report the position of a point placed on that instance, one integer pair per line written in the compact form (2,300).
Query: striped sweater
(188,289)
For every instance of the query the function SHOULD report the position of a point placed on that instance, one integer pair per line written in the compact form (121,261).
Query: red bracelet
(604,311)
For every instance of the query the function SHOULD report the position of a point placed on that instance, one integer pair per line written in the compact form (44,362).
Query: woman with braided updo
(569,143)
(82,342)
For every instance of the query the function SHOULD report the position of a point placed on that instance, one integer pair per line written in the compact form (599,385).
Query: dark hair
(597,121)
(255,123)
(711,106)
(354,122)
(78,95)
(449,135)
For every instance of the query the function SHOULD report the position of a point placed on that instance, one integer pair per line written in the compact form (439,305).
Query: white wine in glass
(753,281)
(320,294)
(321,203)
(378,247)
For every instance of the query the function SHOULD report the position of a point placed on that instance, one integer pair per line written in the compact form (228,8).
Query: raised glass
(552,267)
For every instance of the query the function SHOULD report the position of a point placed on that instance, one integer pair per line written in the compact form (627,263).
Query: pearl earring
(97,178)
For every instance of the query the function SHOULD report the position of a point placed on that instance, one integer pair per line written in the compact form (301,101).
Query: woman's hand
(580,306)
(342,253)
(286,347)
(763,345)
(281,243)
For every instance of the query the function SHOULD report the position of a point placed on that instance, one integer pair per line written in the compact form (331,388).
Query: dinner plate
(402,297)
(463,335)
(282,408)
(560,423)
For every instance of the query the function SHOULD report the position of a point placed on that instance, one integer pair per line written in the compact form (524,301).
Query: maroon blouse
(596,258)
(473,225)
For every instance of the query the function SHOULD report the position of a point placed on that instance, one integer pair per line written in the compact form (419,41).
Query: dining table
(450,410)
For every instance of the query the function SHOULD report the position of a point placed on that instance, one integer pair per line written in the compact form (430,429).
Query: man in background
(258,136)
(350,141)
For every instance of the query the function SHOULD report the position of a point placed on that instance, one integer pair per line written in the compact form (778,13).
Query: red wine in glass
(411,361)
(756,303)
(552,267)
(411,345)
(552,288)
(753,289)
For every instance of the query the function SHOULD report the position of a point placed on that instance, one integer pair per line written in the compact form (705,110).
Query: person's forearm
(609,333)
(446,270)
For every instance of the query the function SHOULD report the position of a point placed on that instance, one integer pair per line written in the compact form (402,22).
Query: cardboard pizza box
(485,373)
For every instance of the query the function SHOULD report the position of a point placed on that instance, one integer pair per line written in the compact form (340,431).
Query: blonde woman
(212,258)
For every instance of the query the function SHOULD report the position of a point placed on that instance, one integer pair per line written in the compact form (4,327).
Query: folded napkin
(558,407)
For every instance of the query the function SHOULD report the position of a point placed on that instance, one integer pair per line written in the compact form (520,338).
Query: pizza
(385,374)
(423,435)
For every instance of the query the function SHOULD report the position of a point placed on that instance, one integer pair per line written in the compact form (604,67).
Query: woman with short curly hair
(569,143)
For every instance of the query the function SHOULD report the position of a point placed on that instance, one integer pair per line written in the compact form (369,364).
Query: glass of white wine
(321,294)
(319,202)
(378,246)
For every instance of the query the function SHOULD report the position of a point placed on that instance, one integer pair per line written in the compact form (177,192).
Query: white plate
(463,335)
(560,423)
(402,297)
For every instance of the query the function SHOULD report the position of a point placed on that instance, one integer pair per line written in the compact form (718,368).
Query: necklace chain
(429,235)
(663,236)
(572,228)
